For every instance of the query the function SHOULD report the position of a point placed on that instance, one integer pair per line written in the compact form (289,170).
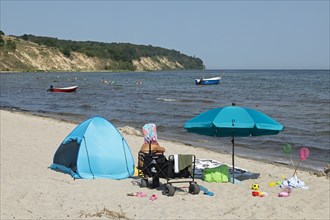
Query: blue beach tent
(94,149)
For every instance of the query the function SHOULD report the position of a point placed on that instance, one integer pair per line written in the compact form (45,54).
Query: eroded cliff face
(29,56)
(159,63)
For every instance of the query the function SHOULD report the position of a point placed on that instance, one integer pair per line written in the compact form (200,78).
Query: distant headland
(29,53)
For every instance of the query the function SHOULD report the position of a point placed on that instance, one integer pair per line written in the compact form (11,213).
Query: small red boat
(64,89)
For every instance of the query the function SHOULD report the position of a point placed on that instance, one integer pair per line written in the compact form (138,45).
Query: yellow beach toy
(255,186)
(136,171)
(271,184)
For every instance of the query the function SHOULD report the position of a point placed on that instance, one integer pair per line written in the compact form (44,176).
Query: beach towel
(176,163)
(184,162)
(293,182)
(240,174)
(181,162)
(201,164)
(149,133)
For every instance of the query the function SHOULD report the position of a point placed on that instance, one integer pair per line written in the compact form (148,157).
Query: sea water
(298,99)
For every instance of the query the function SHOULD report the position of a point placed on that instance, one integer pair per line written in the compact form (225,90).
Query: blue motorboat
(208,81)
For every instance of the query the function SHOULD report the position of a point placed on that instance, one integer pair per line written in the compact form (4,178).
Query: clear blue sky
(224,34)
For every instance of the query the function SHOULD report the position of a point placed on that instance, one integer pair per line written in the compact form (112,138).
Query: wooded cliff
(33,53)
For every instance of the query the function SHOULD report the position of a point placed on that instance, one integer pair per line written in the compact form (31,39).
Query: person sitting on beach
(153,147)
(150,145)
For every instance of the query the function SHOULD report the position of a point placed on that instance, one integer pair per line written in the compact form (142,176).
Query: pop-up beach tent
(94,149)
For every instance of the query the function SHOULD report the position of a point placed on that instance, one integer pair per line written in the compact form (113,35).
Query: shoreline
(76,121)
(138,71)
(29,190)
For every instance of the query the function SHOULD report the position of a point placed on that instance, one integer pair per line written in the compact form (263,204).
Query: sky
(225,34)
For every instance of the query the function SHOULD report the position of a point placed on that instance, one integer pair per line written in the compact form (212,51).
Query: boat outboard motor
(50,88)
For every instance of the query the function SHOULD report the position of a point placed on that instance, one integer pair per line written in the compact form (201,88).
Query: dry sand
(29,190)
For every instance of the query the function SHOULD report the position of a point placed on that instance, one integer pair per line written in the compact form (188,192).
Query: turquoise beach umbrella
(233,121)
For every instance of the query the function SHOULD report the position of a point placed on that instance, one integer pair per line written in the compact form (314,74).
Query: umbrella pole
(232,158)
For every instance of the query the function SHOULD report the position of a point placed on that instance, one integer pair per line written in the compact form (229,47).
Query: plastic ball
(255,186)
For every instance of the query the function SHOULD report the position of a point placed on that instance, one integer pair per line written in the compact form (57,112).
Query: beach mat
(240,173)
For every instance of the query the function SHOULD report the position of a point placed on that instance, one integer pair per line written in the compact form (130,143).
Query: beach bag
(218,174)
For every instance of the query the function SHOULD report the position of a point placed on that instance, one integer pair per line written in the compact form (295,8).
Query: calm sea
(298,99)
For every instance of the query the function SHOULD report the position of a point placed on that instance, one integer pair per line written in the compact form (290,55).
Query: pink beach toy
(283,194)
(141,194)
(303,153)
(286,192)
(153,197)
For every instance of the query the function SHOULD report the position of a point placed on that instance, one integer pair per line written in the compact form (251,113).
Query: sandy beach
(30,190)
